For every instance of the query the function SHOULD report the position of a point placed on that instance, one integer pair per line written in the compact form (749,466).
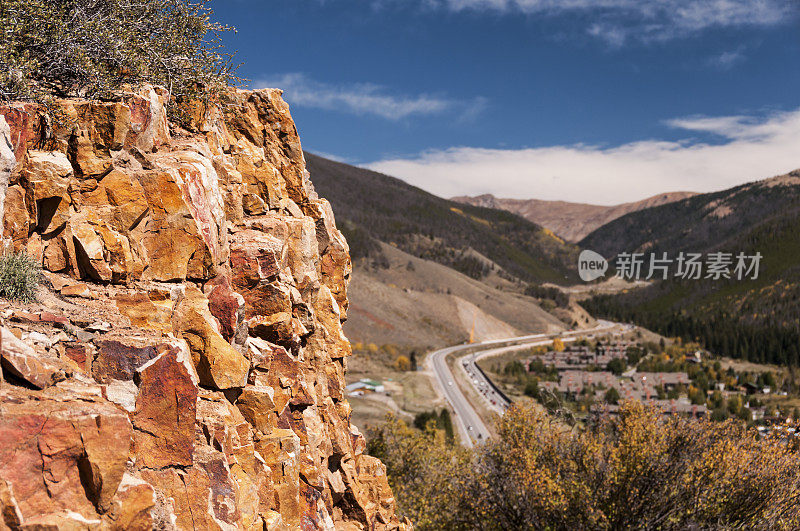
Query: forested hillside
(752,319)
(372,206)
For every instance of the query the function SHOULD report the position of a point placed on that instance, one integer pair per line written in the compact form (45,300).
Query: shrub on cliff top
(89,48)
(19,277)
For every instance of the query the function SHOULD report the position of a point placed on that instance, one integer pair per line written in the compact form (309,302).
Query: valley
(419,289)
(533,266)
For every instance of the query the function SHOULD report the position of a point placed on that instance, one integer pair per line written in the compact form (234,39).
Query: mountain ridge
(755,319)
(374,206)
(571,221)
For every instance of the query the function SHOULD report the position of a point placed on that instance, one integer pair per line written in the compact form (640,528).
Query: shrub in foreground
(90,48)
(637,470)
(19,277)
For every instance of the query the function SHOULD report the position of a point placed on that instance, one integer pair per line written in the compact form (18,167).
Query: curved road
(471,426)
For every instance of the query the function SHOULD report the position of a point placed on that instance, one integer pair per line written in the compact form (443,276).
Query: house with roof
(365,385)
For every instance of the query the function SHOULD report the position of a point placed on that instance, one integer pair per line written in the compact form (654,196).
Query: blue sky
(598,101)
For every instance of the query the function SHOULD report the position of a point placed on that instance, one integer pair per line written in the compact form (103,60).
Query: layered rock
(184,367)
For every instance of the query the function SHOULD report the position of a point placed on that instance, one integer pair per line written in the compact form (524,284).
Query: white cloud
(751,150)
(367,98)
(617,21)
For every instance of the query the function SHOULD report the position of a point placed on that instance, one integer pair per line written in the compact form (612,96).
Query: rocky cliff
(183,365)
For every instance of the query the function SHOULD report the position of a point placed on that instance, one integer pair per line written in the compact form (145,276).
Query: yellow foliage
(637,470)
(480,220)
(551,234)
(403,363)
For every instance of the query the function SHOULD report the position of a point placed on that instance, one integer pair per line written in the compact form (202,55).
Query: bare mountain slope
(571,221)
(419,302)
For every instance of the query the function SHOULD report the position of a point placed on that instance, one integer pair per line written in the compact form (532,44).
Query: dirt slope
(422,303)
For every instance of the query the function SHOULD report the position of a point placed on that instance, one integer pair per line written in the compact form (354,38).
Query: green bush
(90,48)
(612,396)
(19,277)
(617,366)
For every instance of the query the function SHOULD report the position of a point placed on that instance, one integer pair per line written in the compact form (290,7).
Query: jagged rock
(48,174)
(146,310)
(55,319)
(368,497)
(203,494)
(226,306)
(16,221)
(77,290)
(21,361)
(61,458)
(25,123)
(279,449)
(335,264)
(218,364)
(120,197)
(165,411)
(132,507)
(98,326)
(117,361)
(256,260)
(235,393)
(137,121)
(80,354)
(225,428)
(121,392)
(257,406)
(169,238)
(7,159)
(9,508)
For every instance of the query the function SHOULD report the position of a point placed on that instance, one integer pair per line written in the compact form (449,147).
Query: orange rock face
(193,374)
(59,457)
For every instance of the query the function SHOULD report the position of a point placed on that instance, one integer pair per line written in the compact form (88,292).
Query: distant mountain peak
(483,200)
(571,221)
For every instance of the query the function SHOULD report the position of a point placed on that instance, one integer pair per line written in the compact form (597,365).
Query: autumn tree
(635,470)
(403,363)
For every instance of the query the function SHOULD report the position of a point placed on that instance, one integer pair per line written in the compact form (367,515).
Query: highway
(470,425)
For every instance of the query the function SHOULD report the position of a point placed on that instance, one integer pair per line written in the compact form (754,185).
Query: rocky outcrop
(183,367)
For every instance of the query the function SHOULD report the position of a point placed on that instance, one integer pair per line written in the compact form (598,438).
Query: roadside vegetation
(637,470)
(431,420)
(405,386)
(400,358)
